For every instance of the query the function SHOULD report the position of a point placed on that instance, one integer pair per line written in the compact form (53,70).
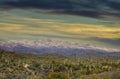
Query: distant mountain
(91,8)
(54,46)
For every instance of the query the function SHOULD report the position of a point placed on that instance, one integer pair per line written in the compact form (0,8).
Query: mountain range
(55,46)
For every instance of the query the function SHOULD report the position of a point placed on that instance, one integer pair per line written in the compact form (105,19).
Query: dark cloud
(91,8)
(114,5)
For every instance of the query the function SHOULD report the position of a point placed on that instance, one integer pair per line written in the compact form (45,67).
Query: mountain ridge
(53,46)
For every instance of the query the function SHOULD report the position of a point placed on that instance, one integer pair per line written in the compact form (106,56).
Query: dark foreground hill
(56,66)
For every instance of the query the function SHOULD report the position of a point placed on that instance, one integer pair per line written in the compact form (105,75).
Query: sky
(96,21)
(91,8)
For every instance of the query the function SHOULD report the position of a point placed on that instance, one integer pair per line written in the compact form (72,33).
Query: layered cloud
(40,27)
(91,8)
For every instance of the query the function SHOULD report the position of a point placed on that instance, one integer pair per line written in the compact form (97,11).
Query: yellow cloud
(52,27)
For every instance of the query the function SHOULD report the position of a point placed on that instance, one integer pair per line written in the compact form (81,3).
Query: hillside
(56,66)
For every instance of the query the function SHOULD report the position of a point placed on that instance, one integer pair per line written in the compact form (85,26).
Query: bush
(116,75)
(56,75)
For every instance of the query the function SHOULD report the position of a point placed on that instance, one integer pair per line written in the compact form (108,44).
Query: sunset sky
(61,19)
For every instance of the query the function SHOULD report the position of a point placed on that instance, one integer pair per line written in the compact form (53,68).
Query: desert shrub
(53,66)
(115,75)
(94,77)
(56,75)
(106,76)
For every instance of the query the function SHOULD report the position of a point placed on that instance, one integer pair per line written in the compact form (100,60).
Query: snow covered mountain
(53,46)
